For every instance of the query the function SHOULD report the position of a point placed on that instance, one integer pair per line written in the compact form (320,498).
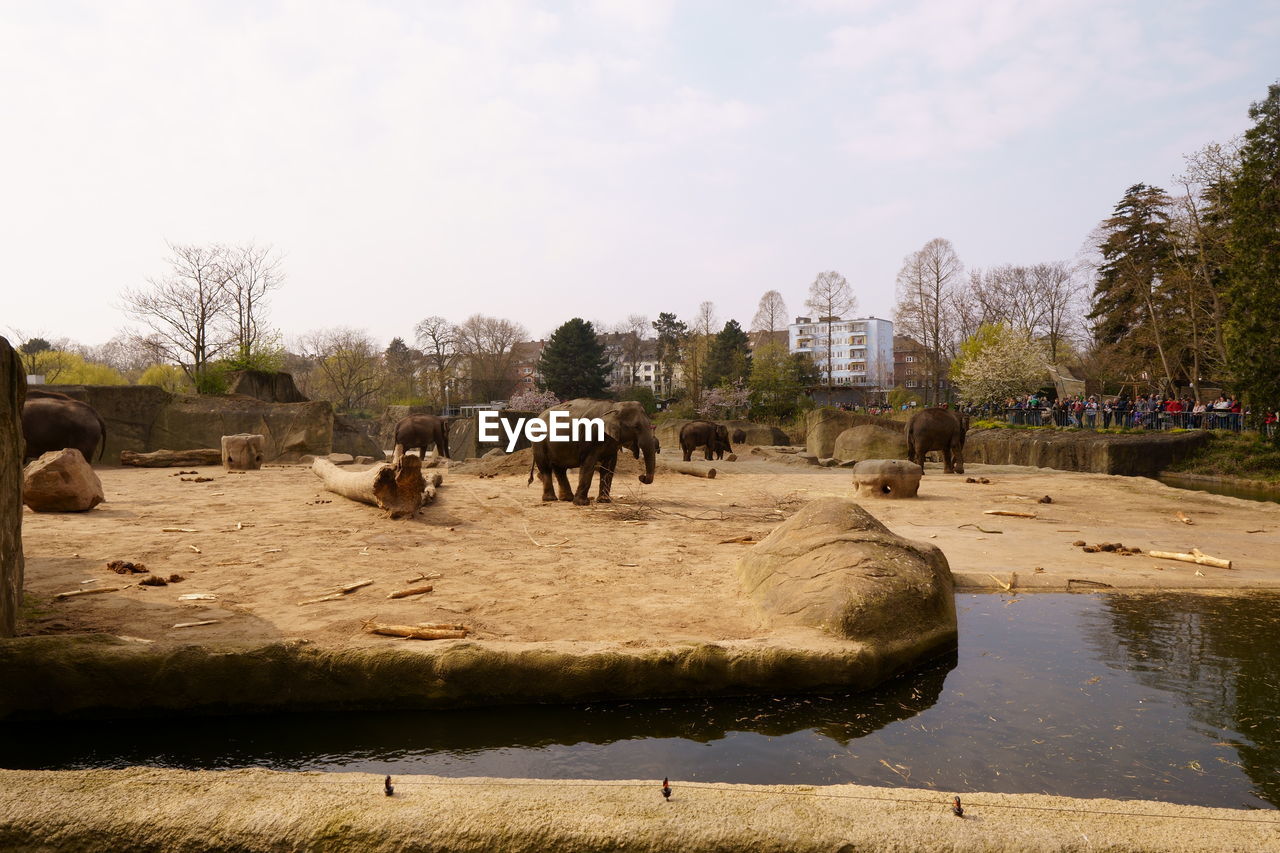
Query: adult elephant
(422,432)
(937,429)
(53,421)
(714,437)
(625,426)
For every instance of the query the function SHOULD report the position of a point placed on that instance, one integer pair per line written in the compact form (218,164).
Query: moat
(1172,697)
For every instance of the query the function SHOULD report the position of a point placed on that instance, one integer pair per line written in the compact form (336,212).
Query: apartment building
(860,349)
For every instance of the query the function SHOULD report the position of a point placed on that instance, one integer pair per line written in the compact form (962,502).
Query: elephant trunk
(647,444)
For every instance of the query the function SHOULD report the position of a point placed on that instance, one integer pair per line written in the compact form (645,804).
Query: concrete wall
(13,388)
(1142,455)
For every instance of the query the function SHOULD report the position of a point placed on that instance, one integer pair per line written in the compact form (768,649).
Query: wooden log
(691,469)
(172,458)
(1194,557)
(413,590)
(338,593)
(399,489)
(243,451)
(1009,512)
(419,632)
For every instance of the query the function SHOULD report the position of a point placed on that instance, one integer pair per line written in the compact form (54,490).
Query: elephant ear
(613,425)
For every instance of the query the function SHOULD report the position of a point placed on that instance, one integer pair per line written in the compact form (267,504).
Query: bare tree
(486,344)
(924,311)
(348,366)
(438,340)
(696,347)
(252,273)
(771,314)
(831,299)
(1061,291)
(631,332)
(185,309)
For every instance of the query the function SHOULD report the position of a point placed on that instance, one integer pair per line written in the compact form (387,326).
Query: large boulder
(1143,455)
(270,387)
(823,427)
(870,441)
(886,478)
(351,436)
(13,389)
(61,481)
(833,566)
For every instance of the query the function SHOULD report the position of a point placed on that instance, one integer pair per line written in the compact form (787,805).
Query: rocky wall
(1141,455)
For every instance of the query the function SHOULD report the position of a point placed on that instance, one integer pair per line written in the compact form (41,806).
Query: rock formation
(870,441)
(13,387)
(886,478)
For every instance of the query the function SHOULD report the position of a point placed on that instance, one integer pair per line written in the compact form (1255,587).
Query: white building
(861,349)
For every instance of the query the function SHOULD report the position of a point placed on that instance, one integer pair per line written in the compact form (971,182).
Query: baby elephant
(422,432)
(714,437)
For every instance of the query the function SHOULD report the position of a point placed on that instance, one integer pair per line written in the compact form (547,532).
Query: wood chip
(194,548)
(73,593)
(739,540)
(1194,557)
(178,530)
(196,624)
(1182,516)
(198,596)
(419,632)
(339,593)
(1009,512)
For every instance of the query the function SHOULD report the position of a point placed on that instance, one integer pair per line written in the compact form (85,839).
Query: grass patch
(1246,455)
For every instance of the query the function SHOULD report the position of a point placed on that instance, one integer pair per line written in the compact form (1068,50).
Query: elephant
(422,432)
(714,437)
(625,426)
(53,421)
(937,429)
(739,436)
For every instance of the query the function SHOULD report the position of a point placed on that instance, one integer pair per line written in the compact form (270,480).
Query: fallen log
(1009,512)
(172,458)
(691,469)
(419,632)
(400,489)
(73,593)
(1194,557)
(413,590)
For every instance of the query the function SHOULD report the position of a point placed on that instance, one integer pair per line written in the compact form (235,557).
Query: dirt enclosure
(654,568)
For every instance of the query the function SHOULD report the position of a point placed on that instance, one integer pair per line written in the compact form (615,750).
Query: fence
(1131,419)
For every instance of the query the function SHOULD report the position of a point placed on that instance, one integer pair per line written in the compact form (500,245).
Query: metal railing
(1128,419)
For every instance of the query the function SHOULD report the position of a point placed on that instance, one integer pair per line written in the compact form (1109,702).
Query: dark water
(1228,489)
(1167,697)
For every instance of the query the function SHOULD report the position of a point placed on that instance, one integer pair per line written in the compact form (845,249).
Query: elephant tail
(531,466)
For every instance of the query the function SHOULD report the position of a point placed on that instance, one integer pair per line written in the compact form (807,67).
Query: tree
(62,367)
(771,313)
(726,401)
(671,335)
(252,272)
(1133,306)
(485,345)
(438,341)
(729,357)
(925,309)
(778,380)
(831,299)
(998,363)
(349,370)
(573,363)
(532,401)
(401,365)
(1253,203)
(632,332)
(697,345)
(185,310)
(167,376)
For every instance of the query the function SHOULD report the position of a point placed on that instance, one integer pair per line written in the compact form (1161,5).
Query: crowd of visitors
(1146,411)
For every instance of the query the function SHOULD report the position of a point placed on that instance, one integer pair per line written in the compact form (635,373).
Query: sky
(540,161)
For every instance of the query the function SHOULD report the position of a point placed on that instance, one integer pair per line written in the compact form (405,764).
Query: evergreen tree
(1253,202)
(671,337)
(1133,309)
(574,363)
(730,356)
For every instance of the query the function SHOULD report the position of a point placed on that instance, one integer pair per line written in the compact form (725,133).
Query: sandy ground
(174,810)
(650,569)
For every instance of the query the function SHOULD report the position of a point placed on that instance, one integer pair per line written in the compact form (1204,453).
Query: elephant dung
(832,565)
(886,478)
(61,481)
(869,441)
(243,452)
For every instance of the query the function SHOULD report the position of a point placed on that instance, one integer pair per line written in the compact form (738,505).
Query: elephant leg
(707,453)
(688,451)
(957,455)
(586,472)
(948,466)
(562,482)
(607,466)
(397,454)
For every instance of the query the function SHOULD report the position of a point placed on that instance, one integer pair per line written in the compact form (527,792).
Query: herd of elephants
(54,421)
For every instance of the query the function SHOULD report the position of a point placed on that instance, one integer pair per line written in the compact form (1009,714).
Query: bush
(167,376)
(643,395)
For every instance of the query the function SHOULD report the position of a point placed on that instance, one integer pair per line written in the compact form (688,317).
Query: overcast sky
(594,159)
